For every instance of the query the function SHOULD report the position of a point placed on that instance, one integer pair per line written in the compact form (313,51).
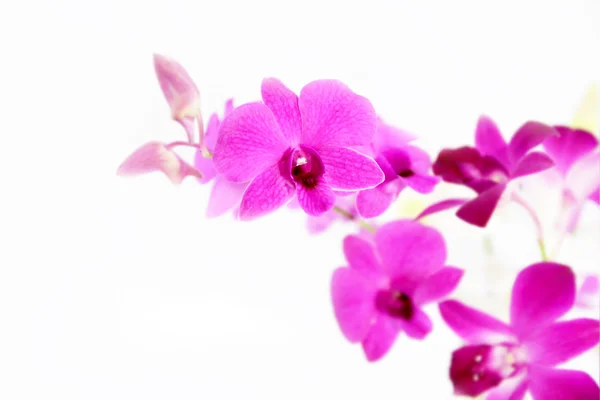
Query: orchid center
(406,173)
(396,304)
(306,167)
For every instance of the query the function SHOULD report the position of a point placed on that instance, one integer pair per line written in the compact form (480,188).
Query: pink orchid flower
(507,360)
(403,165)
(588,295)
(490,166)
(289,145)
(387,283)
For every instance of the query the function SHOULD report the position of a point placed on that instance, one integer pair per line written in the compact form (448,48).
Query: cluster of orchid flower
(327,152)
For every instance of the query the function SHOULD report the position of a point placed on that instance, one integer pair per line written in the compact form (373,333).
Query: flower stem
(351,217)
(538,225)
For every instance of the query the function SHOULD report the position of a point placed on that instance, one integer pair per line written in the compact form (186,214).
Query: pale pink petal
(334,116)
(389,137)
(155,156)
(479,210)
(569,146)
(360,254)
(347,169)
(178,88)
(316,225)
(353,303)
(266,193)
(250,141)
(206,166)
(441,206)
(532,163)
(410,250)
(541,293)
(372,203)
(583,179)
(510,389)
(422,183)
(212,132)
(489,140)
(438,285)
(589,292)
(228,107)
(419,325)
(528,136)
(554,384)
(380,339)
(284,104)
(561,341)
(474,326)
(317,200)
(224,196)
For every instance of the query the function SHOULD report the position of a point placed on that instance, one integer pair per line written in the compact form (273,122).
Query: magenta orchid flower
(491,165)
(577,157)
(388,281)
(588,295)
(403,166)
(181,93)
(225,194)
(290,145)
(507,360)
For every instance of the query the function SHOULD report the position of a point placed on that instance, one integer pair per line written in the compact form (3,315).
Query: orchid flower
(403,165)
(505,361)
(588,295)
(490,166)
(289,145)
(388,282)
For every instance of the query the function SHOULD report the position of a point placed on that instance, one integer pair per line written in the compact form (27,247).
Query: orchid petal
(528,136)
(474,326)
(569,146)
(562,341)
(334,116)
(513,388)
(479,210)
(410,250)
(266,193)
(178,88)
(224,196)
(212,132)
(317,200)
(374,202)
(541,293)
(206,165)
(360,254)
(588,293)
(553,384)
(284,104)
(419,325)
(389,137)
(489,140)
(381,337)
(422,183)
(441,206)
(347,169)
(438,285)
(250,141)
(583,179)
(532,163)
(155,156)
(352,295)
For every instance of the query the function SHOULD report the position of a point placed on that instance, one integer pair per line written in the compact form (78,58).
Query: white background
(114,288)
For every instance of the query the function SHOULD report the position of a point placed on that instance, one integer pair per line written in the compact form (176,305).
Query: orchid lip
(303,166)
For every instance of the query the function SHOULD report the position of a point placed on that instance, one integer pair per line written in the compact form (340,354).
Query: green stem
(351,217)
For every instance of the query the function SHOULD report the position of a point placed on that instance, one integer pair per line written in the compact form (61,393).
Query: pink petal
(228,107)
(334,116)
(178,88)
(479,210)
(352,295)
(284,104)
(532,163)
(155,156)
(250,141)
(474,326)
(541,293)
(554,384)
(561,341)
(438,285)
(212,132)
(510,389)
(360,254)
(583,179)
(410,250)
(389,137)
(347,169)
(266,193)
(374,202)
(224,196)
(489,140)
(569,146)
(316,225)
(380,339)
(418,327)
(316,201)
(206,166)
(422,183)
(588,293)
(528,136)
(441,206)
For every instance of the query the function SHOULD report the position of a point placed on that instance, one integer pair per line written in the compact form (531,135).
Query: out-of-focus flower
(181,93)
(388,281)
(402,164)
(344,210)
(505,361)
(291,145)
(491,165)
(588,295)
